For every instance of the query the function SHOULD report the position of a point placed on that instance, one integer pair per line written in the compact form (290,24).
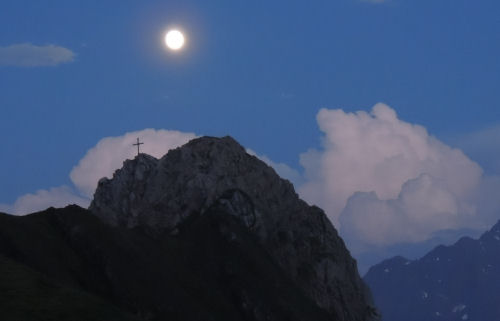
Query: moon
(174,39)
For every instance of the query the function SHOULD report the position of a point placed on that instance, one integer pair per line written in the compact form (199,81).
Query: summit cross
(137,144)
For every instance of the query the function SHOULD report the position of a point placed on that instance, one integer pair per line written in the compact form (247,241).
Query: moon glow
(174,39)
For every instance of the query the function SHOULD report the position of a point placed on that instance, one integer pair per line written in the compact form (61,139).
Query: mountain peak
(216,174)
(162,193)
(223,143)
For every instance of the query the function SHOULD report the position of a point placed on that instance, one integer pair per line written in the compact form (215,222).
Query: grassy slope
(212,270)
(28,295)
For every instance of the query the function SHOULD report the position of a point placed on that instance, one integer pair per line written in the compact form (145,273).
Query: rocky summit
(216,173)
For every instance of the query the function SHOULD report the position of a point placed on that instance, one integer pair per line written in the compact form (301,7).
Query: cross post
(137,144)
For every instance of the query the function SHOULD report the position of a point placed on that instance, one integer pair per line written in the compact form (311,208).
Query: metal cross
(137,144)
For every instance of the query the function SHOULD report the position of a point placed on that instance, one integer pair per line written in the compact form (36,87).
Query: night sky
(75,72)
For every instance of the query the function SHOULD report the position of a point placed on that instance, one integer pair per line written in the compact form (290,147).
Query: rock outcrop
(209,173)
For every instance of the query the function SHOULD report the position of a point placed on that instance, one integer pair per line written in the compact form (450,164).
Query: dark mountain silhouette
(457,282)
(26,294)
(207,232)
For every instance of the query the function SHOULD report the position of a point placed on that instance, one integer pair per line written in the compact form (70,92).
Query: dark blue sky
(256,70)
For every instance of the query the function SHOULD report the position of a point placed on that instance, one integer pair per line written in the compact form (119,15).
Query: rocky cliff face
(209,173)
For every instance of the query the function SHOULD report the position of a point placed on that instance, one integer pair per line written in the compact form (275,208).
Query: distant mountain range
(207,232)
(458,282)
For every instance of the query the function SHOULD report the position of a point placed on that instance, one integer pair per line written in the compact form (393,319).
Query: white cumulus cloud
(424,206)
(29,55)
(399,183)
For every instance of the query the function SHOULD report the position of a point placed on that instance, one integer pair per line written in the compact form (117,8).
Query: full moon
(174,39)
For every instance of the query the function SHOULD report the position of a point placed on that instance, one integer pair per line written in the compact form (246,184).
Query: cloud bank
(424,206)
(28,55)
(384,181)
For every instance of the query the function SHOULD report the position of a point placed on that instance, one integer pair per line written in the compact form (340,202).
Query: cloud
(99,161)
(42,199)
(28,55)
(282,169)
(383,180)
(424,205)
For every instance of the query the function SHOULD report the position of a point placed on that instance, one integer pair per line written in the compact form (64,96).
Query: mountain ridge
(214,225)
(163,193)
(456,282)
